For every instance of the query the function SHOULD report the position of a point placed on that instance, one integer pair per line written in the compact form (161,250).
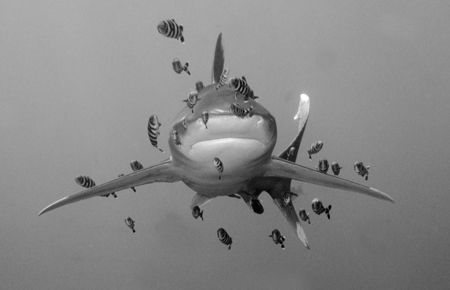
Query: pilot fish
(178,67)
(318,208)
(219,166)
(361,169)
(323,166)
(223,79)
(278,238)
(130,223)
(224,237)
(315,148)
(241,86)
(136,165)
(304,216)
(192,100)
(153,131)
(85,181)
(199,86)
(240,111)
(197,212)
(171,29)
(336,168)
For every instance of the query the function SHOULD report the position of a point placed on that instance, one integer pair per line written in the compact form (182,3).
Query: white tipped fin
(163,172)
(303,111)
(290,214)
(282,168)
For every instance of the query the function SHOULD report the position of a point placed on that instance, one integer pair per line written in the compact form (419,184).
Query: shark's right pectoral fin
(163,172)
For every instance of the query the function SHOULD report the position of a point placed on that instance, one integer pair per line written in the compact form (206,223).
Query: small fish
(199,86)
(179,68)
(171,29)
(219,166)
(223,79)
(192,100)
(240,111)
(287,197)
(278,238)
(323,166)
(241,86)
(184,123)
(85,181)
(197,212)
(136,165)
(315,148)
(224,237)
(336,168)
(130,223)
(291,153)
(176,137)
(361,169)
(153,131)
(304,216)
(205,118)
(318,208)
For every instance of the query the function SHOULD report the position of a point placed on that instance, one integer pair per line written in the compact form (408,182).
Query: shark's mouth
(227,129)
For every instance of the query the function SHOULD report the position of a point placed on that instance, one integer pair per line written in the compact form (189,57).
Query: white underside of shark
(244,145)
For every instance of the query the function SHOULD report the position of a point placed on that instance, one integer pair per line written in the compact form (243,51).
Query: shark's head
(242,143)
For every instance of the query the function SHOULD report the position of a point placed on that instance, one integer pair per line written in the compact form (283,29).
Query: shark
(244,145)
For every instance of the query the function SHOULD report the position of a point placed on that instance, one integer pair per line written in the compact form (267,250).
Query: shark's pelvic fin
(218,62)
(163,172)
(288,211)
(282,168)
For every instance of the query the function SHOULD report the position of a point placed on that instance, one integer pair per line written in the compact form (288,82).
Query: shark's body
(243,144)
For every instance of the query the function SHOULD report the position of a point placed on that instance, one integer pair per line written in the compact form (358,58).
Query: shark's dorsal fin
(218,62)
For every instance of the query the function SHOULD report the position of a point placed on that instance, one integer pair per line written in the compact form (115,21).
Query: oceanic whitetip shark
(243,144)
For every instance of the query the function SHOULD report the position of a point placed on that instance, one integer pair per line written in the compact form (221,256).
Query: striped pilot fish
(153,131)
(336,168)
(278,238)
(199,86)
(240,111)
(223,79)
(241,86)
(197,212)
(361,169)
(318,208)
(176,137)
(205,118)
(323,166)
(224,237)
(219,166)
(291,153)
(171,29)
(192,100)
(136,165)
(315,148)
(304,216)
(85,181)
(178,67)
(130,223)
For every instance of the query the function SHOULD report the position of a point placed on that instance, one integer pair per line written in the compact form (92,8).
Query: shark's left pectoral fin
(282,168)
(288,211)
(163,172)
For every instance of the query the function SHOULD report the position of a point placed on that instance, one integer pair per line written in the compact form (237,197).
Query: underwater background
(79,79)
